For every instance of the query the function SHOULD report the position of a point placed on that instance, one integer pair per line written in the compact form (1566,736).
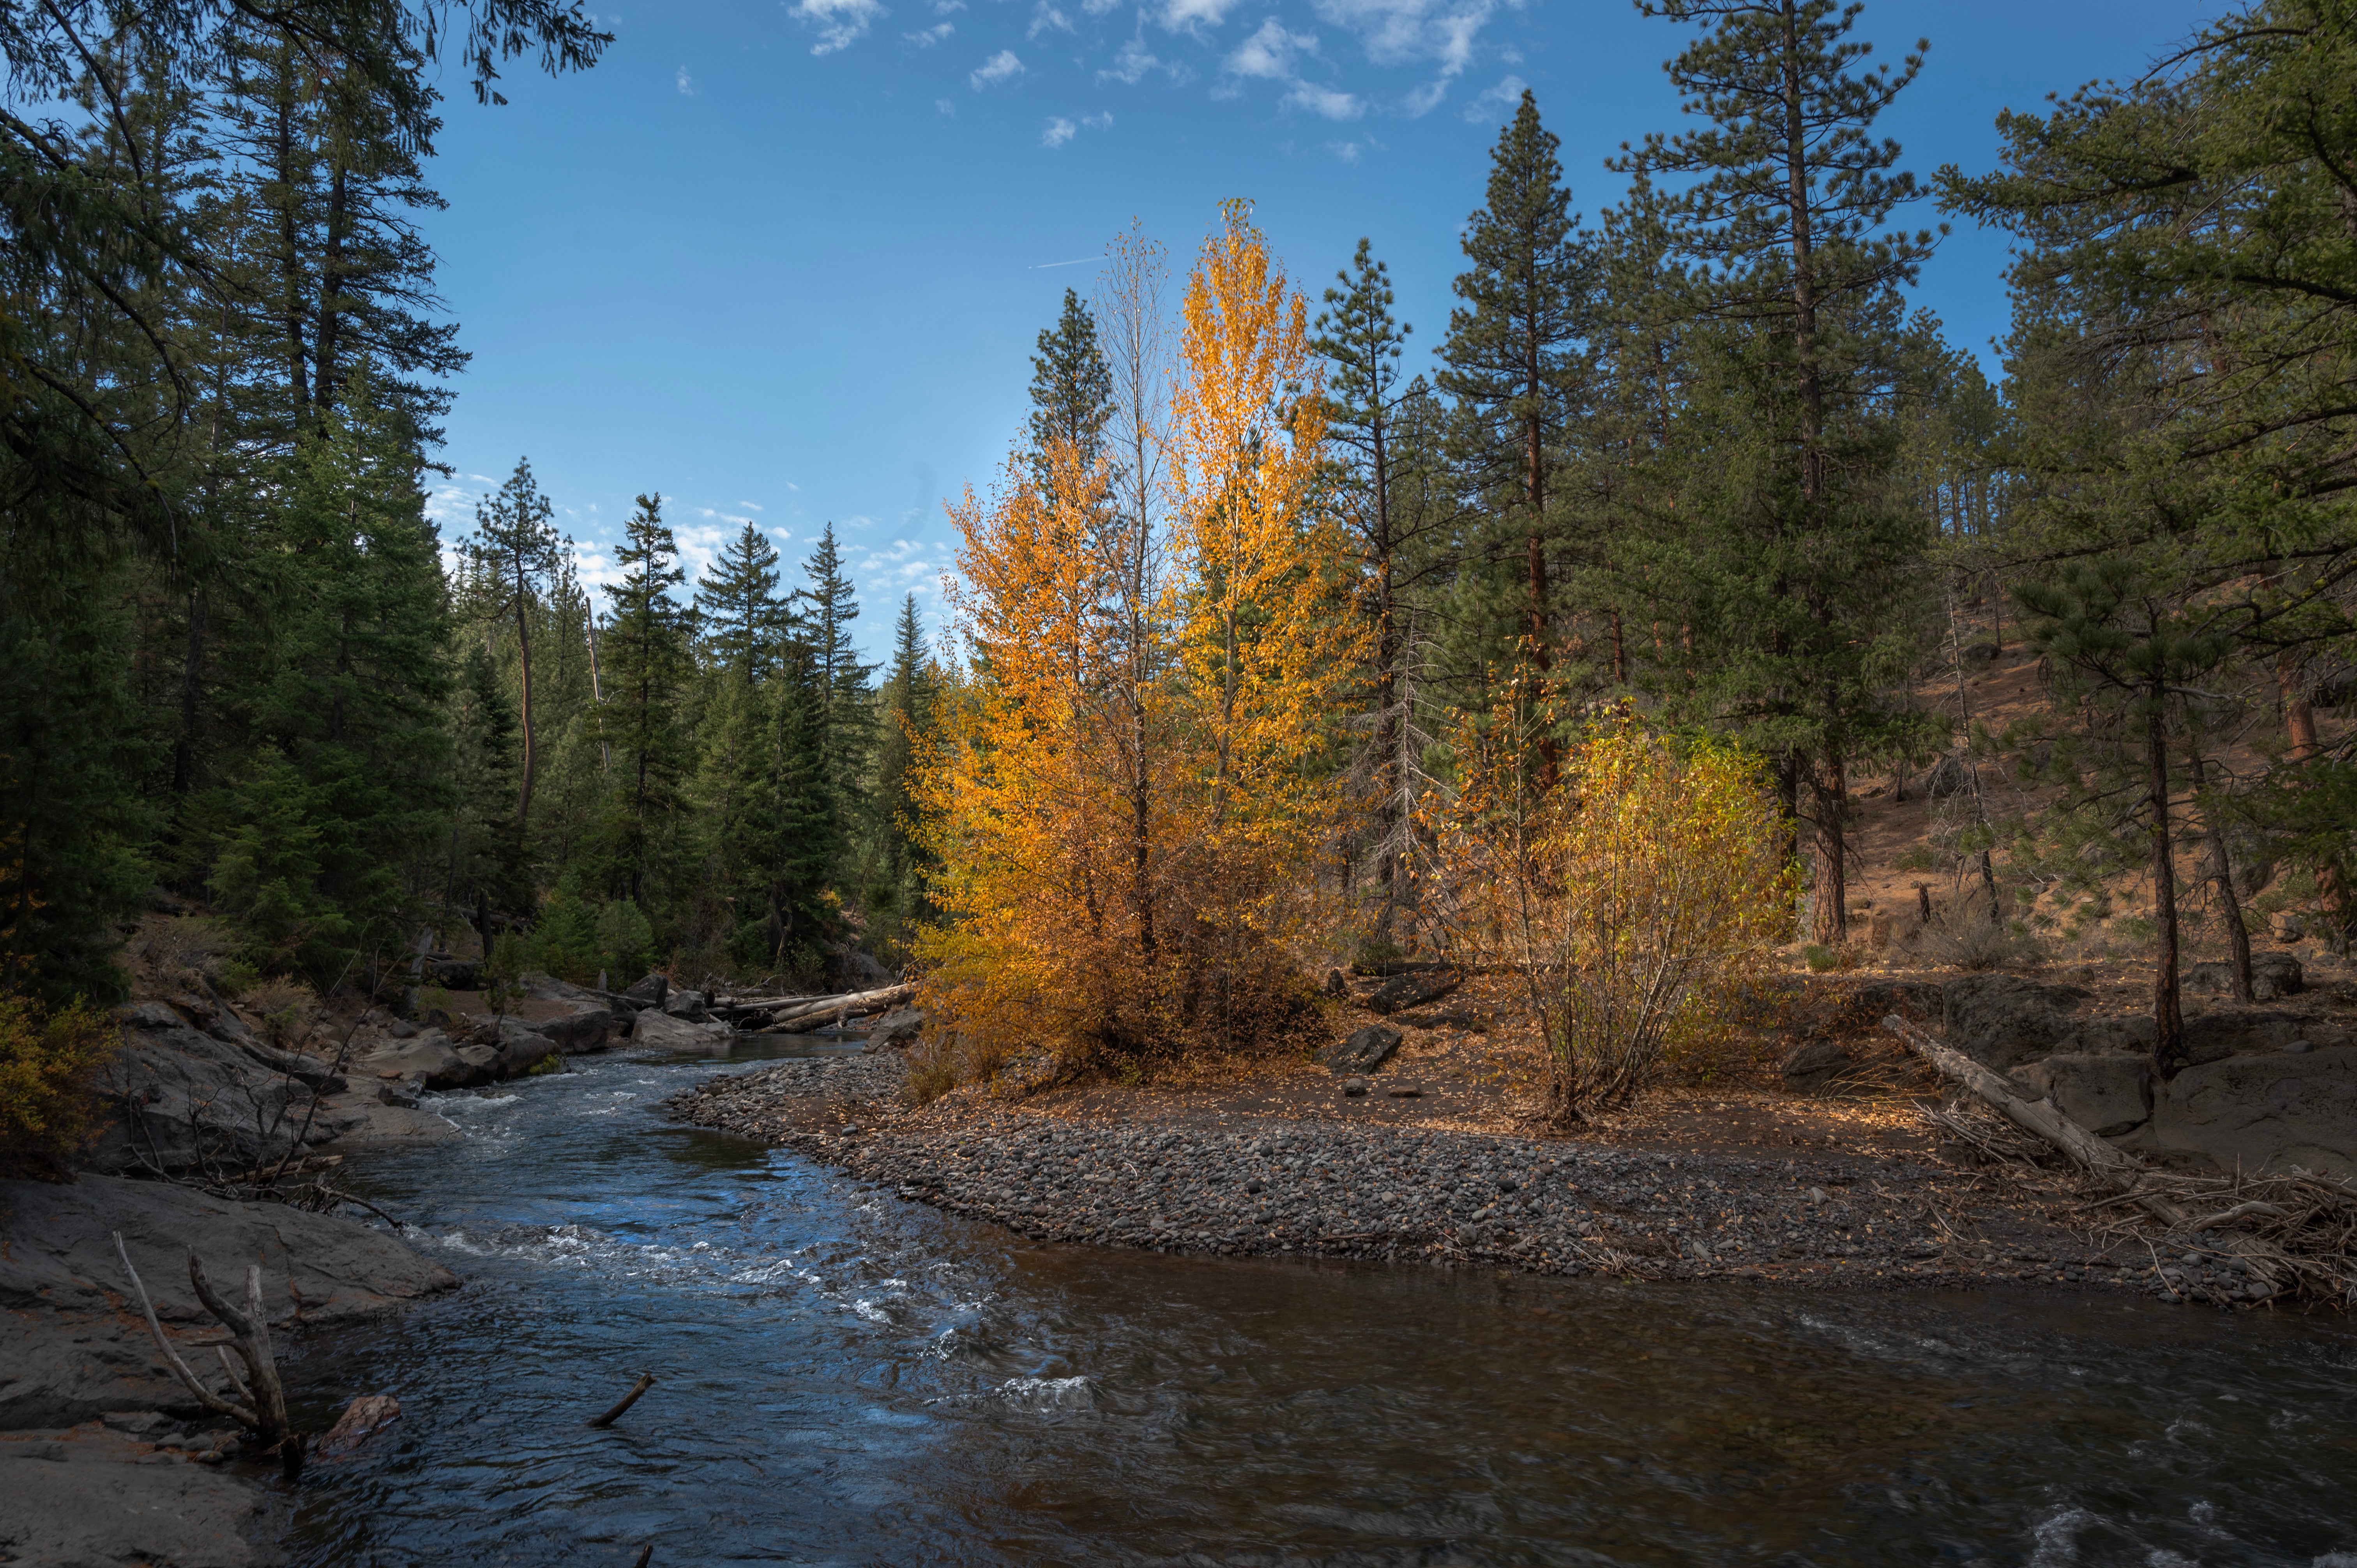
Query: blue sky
(785,262)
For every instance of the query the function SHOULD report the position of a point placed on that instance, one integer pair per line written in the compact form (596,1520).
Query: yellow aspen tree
(1266,655)
(1031,796)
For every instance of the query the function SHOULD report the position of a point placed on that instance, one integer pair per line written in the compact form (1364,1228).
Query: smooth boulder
(2109,1095)
(2265,1115)
(1364,1051)
(432,1059)
(1404,991)
(663,1032)
(2274,975)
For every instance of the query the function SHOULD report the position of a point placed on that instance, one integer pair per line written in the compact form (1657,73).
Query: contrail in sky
(1044,265)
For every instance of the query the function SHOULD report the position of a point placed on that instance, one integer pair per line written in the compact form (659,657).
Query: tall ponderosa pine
(518,544)
(1513,356)
(1358,337)
(1782,228)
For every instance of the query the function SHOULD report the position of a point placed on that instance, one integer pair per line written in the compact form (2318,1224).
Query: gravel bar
(1412,1194)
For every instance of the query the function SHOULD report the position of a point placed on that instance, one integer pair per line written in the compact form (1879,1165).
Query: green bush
(50,1063)
(1820,958)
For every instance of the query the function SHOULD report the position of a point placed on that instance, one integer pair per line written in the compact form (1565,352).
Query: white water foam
(1048,1393)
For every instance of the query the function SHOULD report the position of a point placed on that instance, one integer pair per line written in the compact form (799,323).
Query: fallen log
(851,1004)
(2136,1182)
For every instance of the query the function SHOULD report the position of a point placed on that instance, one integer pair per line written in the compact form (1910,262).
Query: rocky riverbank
(1294,1186)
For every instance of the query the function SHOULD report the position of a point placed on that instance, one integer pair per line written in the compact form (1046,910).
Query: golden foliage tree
(1639,899)
(1124,794)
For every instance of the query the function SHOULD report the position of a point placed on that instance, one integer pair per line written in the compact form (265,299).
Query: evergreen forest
(1258,631)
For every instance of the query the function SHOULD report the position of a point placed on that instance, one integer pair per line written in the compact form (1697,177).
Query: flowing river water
(846,1378)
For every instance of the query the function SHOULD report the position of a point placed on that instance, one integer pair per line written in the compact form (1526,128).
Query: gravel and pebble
(1410,1193)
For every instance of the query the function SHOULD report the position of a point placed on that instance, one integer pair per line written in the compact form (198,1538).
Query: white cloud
(483,478)
(1131,64)
(1098,122)
(752,506)
(1045,18)
(1325,101)
(1269,53)
(838,23)
(1000,66)
(1191,15)
(1060,131)
(1396,31)
(948,8)
(1100,7)
(931,34)
(687,83)
(1346,151)
(940,106)
(1426,99)
(1498,99)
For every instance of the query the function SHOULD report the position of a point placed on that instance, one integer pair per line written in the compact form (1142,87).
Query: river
(846,1378)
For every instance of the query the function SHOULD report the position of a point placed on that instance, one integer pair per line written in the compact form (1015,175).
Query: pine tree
(518,543)
(1072,387)
(1358,336)
(1512,358)
(345,698)
(646,666)
(1781,227)
(908,696)
(743,618)
(847,719)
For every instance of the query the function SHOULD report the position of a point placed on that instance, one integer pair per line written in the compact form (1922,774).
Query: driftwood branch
(646,1380)
(263,1413)
(212,1401)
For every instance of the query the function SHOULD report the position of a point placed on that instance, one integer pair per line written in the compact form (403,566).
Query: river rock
(2002,1020)
(2273,975)
(895,1030)
(663,1032)
(583,1033)
(2266,1113)
(1404,991)
(851,970)
(2108,1095)
(71,1353)
(650,990)
(431,1059)
(687,1007)
(1364,1051)
(1813,1064)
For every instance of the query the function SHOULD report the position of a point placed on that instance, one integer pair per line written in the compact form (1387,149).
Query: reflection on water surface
(849,1379)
